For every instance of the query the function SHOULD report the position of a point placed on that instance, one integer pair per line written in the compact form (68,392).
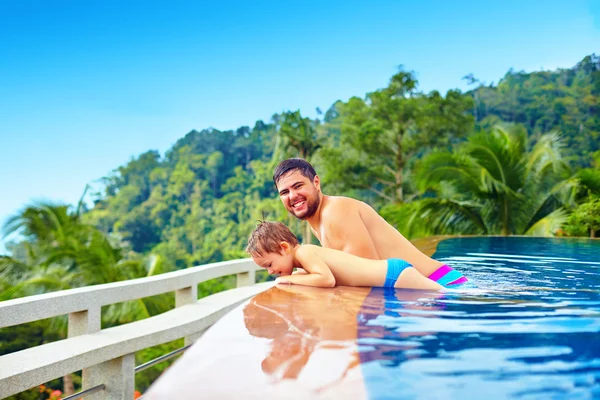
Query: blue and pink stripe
(446,275)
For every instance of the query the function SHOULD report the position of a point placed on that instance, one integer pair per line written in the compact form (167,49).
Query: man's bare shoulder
(343,227)
(340,206)
(344,207)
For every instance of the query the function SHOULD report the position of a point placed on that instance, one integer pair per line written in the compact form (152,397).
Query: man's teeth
(296,205)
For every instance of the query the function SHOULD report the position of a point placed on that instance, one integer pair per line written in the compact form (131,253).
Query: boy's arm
(299,272)
(317,272)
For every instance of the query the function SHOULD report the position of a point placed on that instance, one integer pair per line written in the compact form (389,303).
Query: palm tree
(61,252)
(494,185)
(300,134)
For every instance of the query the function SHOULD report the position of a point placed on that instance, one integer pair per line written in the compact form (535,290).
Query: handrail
(85,392)
(106,356)
(33,308)
(160,359)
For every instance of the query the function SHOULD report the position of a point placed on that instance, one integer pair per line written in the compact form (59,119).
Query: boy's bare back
(350,270)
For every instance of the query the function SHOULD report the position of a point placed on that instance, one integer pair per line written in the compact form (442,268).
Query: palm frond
(406,219)
(546,156)
(589,180)
(450,216)
(12,270)
(128,311)
(502,152)
(155,265)
(456,169)
(548,225)
(499,163)
(12,292)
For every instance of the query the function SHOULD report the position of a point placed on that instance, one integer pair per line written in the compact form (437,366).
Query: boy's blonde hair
(267,236)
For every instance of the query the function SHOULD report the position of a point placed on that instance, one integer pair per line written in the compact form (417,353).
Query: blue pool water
(529,331)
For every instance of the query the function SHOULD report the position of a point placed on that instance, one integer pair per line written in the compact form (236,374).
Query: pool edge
(428,245)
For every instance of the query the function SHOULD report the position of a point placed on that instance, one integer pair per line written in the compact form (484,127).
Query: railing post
(117,375)
(84,322)
(246,278)
(188,295)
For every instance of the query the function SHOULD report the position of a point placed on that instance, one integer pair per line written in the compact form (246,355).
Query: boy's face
(281,263)
(299,195)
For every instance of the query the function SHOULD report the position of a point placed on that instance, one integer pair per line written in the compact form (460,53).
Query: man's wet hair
(293,164)
(267,236)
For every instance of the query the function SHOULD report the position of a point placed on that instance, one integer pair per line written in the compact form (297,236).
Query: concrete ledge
(33,308)
(31,367)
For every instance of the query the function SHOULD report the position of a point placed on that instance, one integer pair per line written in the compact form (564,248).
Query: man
(350,225)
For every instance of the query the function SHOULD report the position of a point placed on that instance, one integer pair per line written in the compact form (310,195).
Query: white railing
(106,356)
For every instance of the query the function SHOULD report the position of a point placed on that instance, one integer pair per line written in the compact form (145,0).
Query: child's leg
(410,278)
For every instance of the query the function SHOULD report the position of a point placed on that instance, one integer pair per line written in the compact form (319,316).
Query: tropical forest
(517,157)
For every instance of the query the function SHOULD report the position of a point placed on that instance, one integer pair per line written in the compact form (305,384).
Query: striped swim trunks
(447,276)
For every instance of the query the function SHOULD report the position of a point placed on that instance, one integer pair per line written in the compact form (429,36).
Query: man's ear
(317,182)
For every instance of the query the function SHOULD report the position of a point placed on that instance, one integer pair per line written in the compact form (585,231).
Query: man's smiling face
(299,195)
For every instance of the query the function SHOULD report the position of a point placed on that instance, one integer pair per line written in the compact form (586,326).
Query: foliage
(566,100)
(382,133)
(492,184)
(299,133)
(585,219)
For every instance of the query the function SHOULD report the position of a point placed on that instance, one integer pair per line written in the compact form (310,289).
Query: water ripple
(529,331)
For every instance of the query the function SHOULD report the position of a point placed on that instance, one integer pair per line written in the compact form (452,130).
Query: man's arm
(346,231)
(317,272)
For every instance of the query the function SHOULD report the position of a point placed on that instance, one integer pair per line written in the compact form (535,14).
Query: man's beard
(311,209)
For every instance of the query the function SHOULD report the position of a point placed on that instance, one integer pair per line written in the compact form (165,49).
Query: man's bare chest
(327,241)
(321,236)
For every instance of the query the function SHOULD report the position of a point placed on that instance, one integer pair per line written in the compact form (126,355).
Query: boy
(274,247)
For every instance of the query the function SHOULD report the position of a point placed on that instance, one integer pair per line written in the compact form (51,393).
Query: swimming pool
(529,331)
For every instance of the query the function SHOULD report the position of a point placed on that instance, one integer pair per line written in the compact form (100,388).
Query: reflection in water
(384,305)
(529,331)
(308,324)
(303,321)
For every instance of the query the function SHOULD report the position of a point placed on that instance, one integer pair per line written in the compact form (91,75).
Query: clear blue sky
(86,85)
